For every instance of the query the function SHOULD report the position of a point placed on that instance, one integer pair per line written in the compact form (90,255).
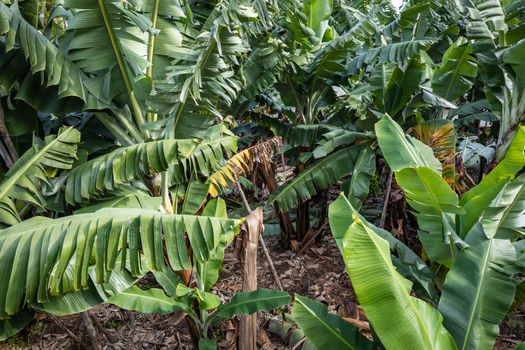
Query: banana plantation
(262,174)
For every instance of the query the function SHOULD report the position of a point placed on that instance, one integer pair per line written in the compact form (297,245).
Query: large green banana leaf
(24,180)
(379,78)
(400,320)
(318,176)
(505,218)
(327,331)
(125,198)
(85,299)
(486,20)
(35,254)
(12,326)
(336,138)
(163,44)
(477,199)
(393,53)
(418,173)
(187,158)
(298,135)
(319,12)
(203,72)
(402,84)
(105,31)
(408,263)
(209,270)
(458,68)
(436,205)
(478,291)
(69,82)
(402,151)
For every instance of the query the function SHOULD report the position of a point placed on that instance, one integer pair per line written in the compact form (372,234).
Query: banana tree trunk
(303,220)
(285,222)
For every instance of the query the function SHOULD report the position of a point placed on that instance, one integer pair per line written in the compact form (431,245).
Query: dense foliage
(125,124)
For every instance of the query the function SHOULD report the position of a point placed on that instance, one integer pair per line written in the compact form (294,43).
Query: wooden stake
(253,228)
(261,240)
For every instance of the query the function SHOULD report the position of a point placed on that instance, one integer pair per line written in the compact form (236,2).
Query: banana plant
(83,224)
(479,285)
(329,97)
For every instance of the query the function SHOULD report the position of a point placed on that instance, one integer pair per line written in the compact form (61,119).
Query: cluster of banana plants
(131,98)
(475,244)
(329,70)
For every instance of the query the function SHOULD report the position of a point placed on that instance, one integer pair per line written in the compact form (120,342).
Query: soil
(318,273)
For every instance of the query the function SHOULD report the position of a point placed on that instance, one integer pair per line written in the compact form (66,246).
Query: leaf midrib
(250,301)
(510,207)
(483,275)
(396,276)
(327,326)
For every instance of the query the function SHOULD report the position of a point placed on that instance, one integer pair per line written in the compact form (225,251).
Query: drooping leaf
(364,171)
(36,253)
(330,141)
(184,158)
(25,178)
(168,280)
(297,135)
(203,73)
(69,85)
(240,164)
(486,20)
(12,326)
(403,83)
(394,53)
(125,198)
(82,300)
(106,31)
(215,208)
(317,176)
